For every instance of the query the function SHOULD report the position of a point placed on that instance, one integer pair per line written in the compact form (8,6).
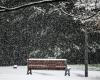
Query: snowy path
(8,73)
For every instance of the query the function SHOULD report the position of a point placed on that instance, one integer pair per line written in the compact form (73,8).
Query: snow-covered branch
(87,9)
(4,9)
(66,12)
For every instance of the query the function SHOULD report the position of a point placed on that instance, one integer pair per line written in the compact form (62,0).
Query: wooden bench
(48,64)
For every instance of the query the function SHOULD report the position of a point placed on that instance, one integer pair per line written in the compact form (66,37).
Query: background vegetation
(47,29)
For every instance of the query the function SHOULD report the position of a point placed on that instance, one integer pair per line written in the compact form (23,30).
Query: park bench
(48,64)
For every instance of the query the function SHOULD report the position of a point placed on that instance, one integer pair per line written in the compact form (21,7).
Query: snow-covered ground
(77,73)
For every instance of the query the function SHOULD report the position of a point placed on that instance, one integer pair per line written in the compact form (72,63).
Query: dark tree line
(42,30)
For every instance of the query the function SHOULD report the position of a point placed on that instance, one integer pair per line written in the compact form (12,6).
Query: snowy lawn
(77,73)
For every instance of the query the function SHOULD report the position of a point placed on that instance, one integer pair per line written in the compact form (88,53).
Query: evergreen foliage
(41,31)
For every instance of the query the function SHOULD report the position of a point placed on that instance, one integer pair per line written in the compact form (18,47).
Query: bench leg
(29,71)
(67,72)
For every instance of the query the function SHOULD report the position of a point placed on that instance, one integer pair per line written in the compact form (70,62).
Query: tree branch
(91,16)
(5,9)
(2,7)
(66,12)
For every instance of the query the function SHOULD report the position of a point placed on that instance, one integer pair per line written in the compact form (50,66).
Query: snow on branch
(91,16)
(89,7)
(66,12)
(4,9)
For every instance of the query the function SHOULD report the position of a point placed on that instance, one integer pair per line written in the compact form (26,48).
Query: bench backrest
(46,63)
